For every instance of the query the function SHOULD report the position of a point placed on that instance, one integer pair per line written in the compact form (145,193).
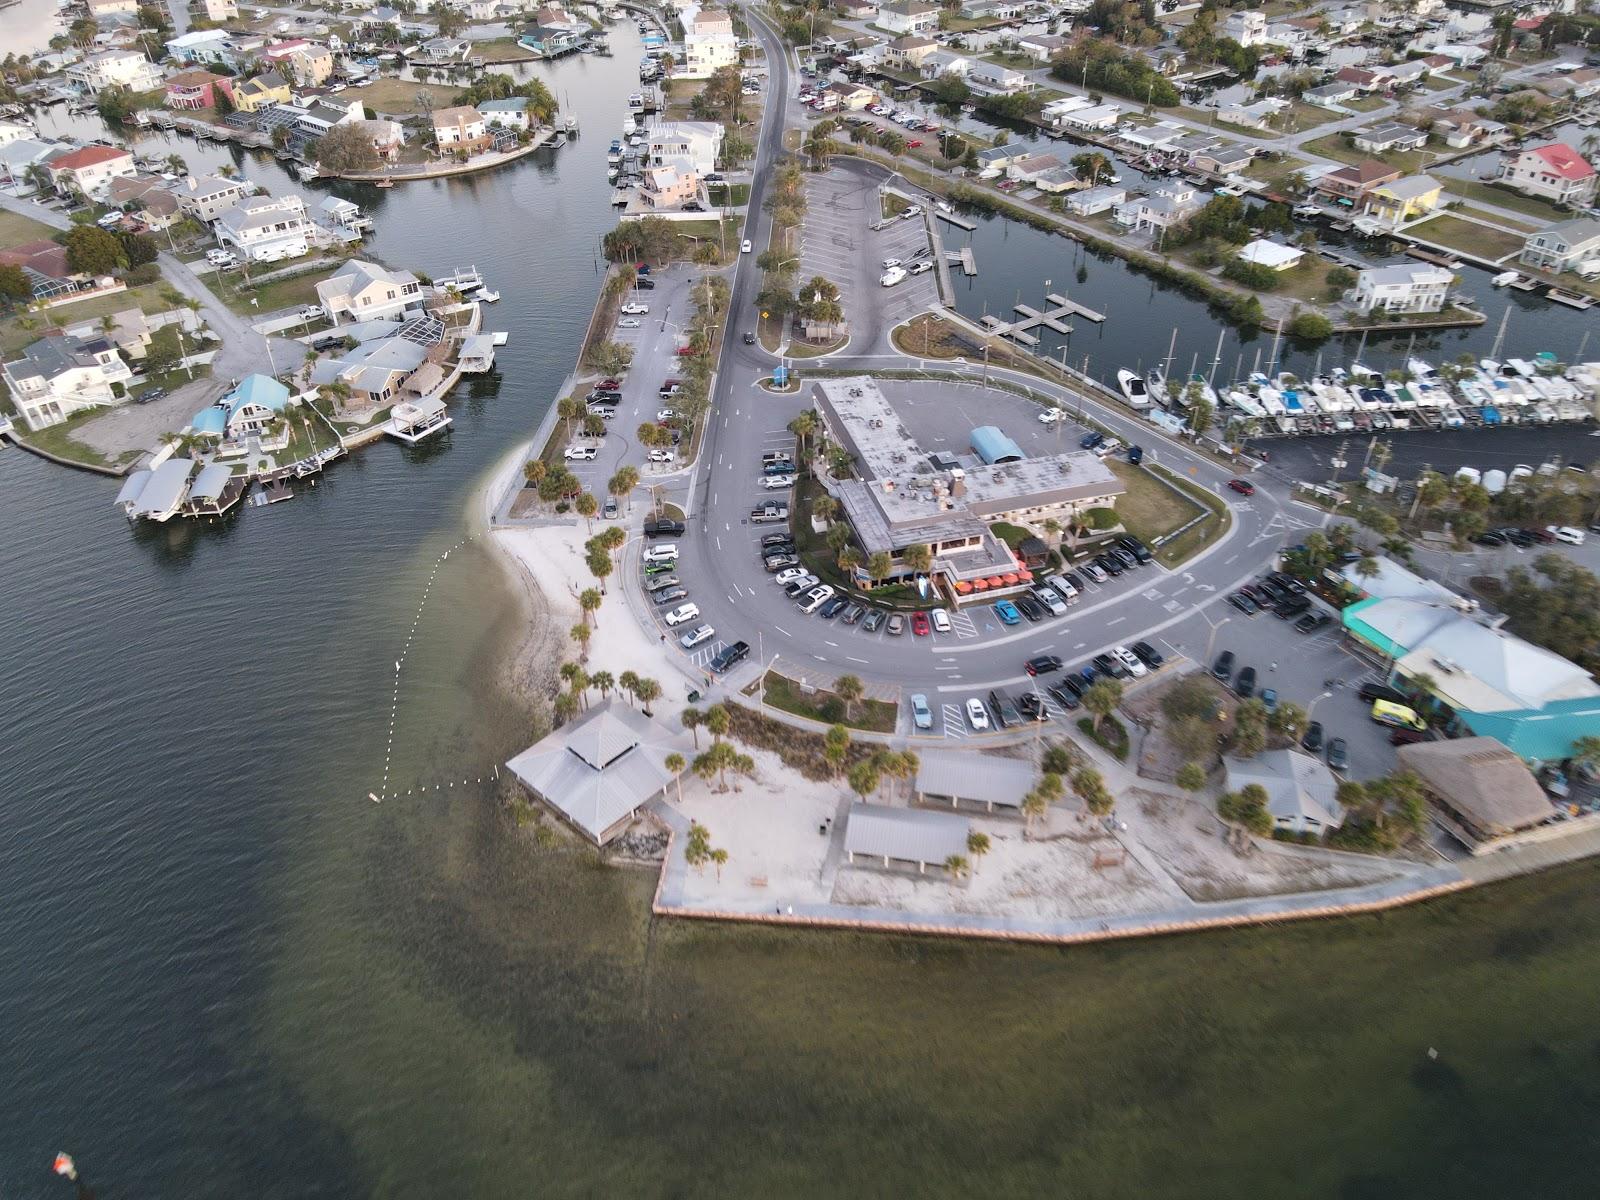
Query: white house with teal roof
(248,409)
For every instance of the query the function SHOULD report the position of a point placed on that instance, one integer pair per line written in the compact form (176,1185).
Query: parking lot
(837,242)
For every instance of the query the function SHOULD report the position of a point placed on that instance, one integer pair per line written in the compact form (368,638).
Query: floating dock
(1570,299)
(958,222)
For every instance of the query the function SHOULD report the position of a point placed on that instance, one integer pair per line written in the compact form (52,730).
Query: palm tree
(1287,719)
(577,678)
(879,565)
(1090,787)
(803,427)
(623,482)
(918,558)
(719,858)
(864,779)
(675,763)
(977,846)
(603,682)
(590,599)
(628,682)
(566,707)
(647,690)
(718,720)
(1034,806)
(581,634)
(957,865)
(1191,777)
(850,689)
(1102,699)
(824,508)
(587,506)
(692,719)
(836,747)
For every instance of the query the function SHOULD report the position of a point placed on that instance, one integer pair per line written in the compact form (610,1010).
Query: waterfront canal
(229,973)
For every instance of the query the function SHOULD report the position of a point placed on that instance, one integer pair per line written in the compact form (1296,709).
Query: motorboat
(1505,278)
(1133,389)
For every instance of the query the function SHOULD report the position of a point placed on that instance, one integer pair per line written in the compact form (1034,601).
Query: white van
(664,553)
(1063,587)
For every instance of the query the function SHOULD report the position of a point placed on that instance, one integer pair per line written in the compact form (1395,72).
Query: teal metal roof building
(993,446)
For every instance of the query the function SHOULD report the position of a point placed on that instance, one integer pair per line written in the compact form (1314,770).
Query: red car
(919,624)
(686,351)
(913,144)
(608,385)
(1243,486)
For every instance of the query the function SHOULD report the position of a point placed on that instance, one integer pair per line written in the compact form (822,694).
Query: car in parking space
(1031,706)
(892,276)
(921,714)
(816,598)
(787,576)
(853,614)
(666,552)
(1051,600)
(773,482)
(873,620)
(1569,534)
(729,657)
(941,620)
(1104,664)
(660,583)
(890,263)
(1042,664)
(1030,608)
(652,569)
(802,584)
(581,453)
(1136,455)
(662,456)
(1311,621)
(1062,587)
(1385,712)
(1074,683)
(1075,580)
(1090,440)
(1094,572)
(663,527)
(682,614)
(1243,486)
(896,626)
(777,457)
(1285,580)
(778,468)
(1244,604)
(1064,696)
(1007,612)
(778,538)
(745,246)
(1130,662)
(1311,743)
(1109,564)
(921,268)
(1292,607)
(1141,553)
(634,309)
(1223,668)
(701,633)
(1489,538)
(1269,697)
(782,544)
(1003,710)
(1266,592)
(1050,416)
(833,608)
(609,511)
(1148,655)
(920,625)
(644,284)
(628,323)
(670,596)
(150,395)
(977,715)
(780,562)
(1339,754)
(665,414)
(1124,556)
(1245,684)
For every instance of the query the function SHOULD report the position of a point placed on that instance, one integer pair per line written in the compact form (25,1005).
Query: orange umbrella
(963,586)
(1025,575)
(1009,579)
(996,581)
(981,585)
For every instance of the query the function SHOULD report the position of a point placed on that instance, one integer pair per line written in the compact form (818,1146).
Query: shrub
(1252,275)
(1101,518)
(1310,326)
(145,273)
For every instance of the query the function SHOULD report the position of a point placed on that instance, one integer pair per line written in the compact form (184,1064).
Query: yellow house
(255,94)
(1405,199)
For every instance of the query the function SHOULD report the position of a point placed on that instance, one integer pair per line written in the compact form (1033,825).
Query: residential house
(1275,256)
(1257,115)
(990,78)
(669,188)
(322,115)
(906,53)
(266,228)
(939,63)
(1331,95)
(1362,79)
(90,169)
(101,9)
(856,10)
(440,50)
(307,63)
(203,46)
(1349,185)
(1404,199)
(1390,135)
(852,97)
(908,16)
(1248,27)
(60,375)
(217,10)
(506,114)
(1408,74)
(375,371)
(1096,200)
(1171,204)
(115,68)
(262,91)
(998,158)
(1041,47)
(550,41)
(1229,158)
(45,264)
(1407,288)
(129,332)
(254,404)
(709,44)
(1555,172)
(208,198)
(1565,246)
(13,131)
(1029,168)
(1098,116)
(990,10)
(149,196)
(366,291)
(687,145)
(388,137)
(197,89)
(1459,128)
(460,130)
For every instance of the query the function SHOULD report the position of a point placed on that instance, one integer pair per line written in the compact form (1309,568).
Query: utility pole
(1339,462)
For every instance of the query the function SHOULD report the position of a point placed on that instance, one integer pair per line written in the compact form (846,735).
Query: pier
(969,265)
(1071,308)
(958,221)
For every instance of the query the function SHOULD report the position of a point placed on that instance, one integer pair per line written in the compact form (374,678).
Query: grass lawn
(58,440)
(1366,103)
(1304,116)
(692,233)
(1275,173)
(1466,210)
(270,296)
(875,716)
(400,96)
(1151,510)
(1306,281)
(1468,236)
(1334,146)
(1192,541)
(805,349)
(1437,83)
(735,194)
(146,298)
(16,229)
(503,50)
(1502,197)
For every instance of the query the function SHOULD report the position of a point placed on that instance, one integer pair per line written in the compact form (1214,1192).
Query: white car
(628,323)
(634,309)
(921,268)
(1107,448)
(977,714)
(773,482)
(1130,662)
(1095,573)
(941,620)
(694,637)
(221,258)
(892,276)
(665,553)
(816,598)
(921,714)
(795,586)
(310,312)
(1050,416)
(1567,534)
(1048,597)
(110,219)
(890,262)
(1063,587)
(683,613)
(661,456)
(745,247)
(910,213)
(788,575)
(666,414)
(581,453)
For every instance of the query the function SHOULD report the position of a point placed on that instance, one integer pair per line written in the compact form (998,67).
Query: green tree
(675,764)
(836,747)
(1090,166)
(581,633)
(977,845)
(692,719)
(918,558)
(719,720)
(1058,759)
(1287,719)
(1102,699)
(879,564)
(648,691)
(587,507)
(15,287)
(94,251)
(850,689)
(1250,728)
(958,866)
(1191,777)
(589,601)
(864,779)
(346,148)
(1090,787)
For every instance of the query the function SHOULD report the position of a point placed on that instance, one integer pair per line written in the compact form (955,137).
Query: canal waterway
(228,972)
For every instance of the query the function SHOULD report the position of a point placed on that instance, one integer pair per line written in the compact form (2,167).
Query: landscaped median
(828,707)
(1158,504)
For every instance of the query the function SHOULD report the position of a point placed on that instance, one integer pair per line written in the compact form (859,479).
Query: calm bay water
(228,973)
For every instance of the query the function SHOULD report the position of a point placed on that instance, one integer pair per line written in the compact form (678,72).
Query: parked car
(1338,754)
(1223,668)
(941,620)
(853,614)
(660,583)
(1243,486)
(1007,612)
(1042,664)
(780,562)
(873,620)
(897,625)
(1051,600)
(1311,743)
(787,576)
(1269,698)
(1244,604)
(662,456)
(1030,608)
(804,583)
(1245,684)
(1063,587)
(1094,571)
(666,552)
(1130,662)
(1141,553)
(1031,706)
(1090,440)
(1108,564)
(816,598)
(1004,711)
(777,539)
(1386,712)
(1311,621)
(920,625)
(833,608)
(663,527)
(977,715)
(634,309)
(702,633)
(729,656)
(671,596)
(1064,696)
(773,482)
(921,714)
(1148,655)
(1373,692)
(628,323)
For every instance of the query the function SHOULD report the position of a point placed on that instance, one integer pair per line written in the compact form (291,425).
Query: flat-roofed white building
(1407,288)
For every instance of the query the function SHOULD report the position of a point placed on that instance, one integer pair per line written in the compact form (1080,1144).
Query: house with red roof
(89,169)
(197,89)
(1555,172)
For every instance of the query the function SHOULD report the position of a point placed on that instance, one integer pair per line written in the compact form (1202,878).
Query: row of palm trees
(575,699)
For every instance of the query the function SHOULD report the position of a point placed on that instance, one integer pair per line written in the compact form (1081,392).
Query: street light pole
(1312,707)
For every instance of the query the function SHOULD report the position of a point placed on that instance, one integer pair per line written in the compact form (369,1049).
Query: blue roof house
(247,409)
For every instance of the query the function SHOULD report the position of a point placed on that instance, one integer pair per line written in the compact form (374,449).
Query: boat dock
(999,328)
(969,265)
(1048,320)
(1438,260)
(958,221)
(1570,299)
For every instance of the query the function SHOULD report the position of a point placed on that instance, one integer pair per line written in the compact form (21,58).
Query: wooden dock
(1570,299)
(1438,260)
(1072,308)
(958,222)
(1048,320)
(969,265)
(1001,329)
